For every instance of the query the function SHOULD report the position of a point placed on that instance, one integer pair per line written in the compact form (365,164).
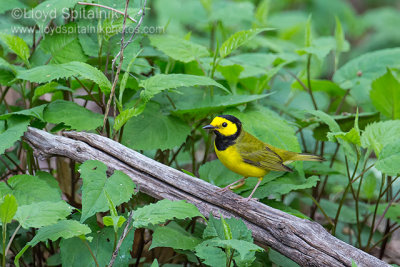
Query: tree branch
(305,242)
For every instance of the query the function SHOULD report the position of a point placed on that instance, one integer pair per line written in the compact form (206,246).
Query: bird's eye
(224,124)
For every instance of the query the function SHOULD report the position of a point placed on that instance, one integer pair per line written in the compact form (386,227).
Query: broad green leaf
(369,186)
(392,213)
(385,95)
(162,211)
(47,73)
(155,263)
(5,6)
(64,47)
(231,74)
(64,229)
(96,184)
(41,214)
(389,158)
(280,260)
(174,236)
(8,208)
(211,255)
(177,48)
(326,86)
(17,45)
(160,82)
(72,115)
(29,189)
(380,134)
(238,39)
(215,229)
(125,78)
(16,126)
(4,64)
(201,105)
(281,206)
(126,115)
(347,214)
(74,252)
(36,112)
(53,9)
(358,74)
(49,88)
(154,130)
(217,174)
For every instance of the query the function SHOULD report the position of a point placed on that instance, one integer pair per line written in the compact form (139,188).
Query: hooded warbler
(246,155)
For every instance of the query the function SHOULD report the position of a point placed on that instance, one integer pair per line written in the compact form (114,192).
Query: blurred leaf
(392,213)
(341,44)
(64,47)
(173,236)
(238,39)
(177,48)
(96,185)
(211,255)
(217,174)
(36,112)
(380,134)
(319,47)
(347,214)
(280,259)
(326,86)
(389,158)
(65,229)
(54,7)
(8,208)
(72,115)
(385,95)
(17,45)
(155,263)
(215,229)
(49,88)
(162,211)
(47,73)
(39,214)
(281,206)
(74,252)
(231,74)
(154,130)
(160,82)
(16,126)
(369,185)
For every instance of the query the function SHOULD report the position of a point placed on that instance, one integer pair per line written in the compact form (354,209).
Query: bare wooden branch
(305,242)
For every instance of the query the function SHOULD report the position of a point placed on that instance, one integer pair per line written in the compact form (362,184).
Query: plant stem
(309,82)
(11,239)
(107,7)
(4,244)
(91,252)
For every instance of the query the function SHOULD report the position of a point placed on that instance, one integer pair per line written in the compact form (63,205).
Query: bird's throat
(222,142)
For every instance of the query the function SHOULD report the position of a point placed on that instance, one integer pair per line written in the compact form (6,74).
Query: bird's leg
(233,185)
(252,192)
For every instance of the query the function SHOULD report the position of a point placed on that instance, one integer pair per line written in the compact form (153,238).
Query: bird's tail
(306,157)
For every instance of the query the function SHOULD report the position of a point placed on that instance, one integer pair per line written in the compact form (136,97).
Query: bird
(248,156)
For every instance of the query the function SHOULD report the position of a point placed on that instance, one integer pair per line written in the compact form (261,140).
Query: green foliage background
(315,76)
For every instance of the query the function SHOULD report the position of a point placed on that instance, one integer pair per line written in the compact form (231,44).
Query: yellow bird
(246,155)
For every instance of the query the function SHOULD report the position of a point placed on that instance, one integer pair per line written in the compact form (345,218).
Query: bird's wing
(257,153)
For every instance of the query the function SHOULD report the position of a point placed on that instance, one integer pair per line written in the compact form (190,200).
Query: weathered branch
(305,242)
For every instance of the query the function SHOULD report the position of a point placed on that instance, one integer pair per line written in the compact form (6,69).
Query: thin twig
(305,88)
(385,211)
(121,239)
(309,82)
(107,7)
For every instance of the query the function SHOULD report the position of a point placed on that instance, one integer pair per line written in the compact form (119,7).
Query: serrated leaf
(17,45)
(215,229)
(16,126)
(41,214)
(380,134)
(238,39)
(164,210)
(36,112)
(65,229)
(160,82)
(389,158)
(154,130)
(8,208)
(49,88)
(72,115)
(177,48)
(47,73)
(174,236)
(385,95)
(64,47)
(211,256)
(96,184)
(126,115)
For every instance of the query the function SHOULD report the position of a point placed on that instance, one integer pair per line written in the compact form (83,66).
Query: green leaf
(231,74)
(347,214)
(155,263)
(392,213)
(154,130)
(74,252)
(160,82)
(308,38)
(215,229)
(359,73)
(47,73)
(36,112)
(369,186)
(41,214)
(8,208)
(53,9)
(380,134)
(217,174)
(16,126)
(280,260)
(116,222)
(126,115)
(238,39)
(385,95)
(177,48)
(64,229)
(96,185)
(211,256)
(162,211)
(17,45)
(64,47)
(320,47)
(326,86)
(341,44)
(389,158)
(49,88)
(72,115)
(174,236)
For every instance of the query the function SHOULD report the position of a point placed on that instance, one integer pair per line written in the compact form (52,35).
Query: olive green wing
(257,153)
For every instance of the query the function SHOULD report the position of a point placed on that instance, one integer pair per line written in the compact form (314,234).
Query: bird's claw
(247,199)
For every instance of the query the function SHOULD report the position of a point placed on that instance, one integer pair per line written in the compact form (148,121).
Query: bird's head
(225,125)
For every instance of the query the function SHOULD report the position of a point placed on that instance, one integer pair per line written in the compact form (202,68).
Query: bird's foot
(247,199)
(226,188)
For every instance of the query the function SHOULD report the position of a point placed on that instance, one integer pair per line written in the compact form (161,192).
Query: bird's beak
(209,127)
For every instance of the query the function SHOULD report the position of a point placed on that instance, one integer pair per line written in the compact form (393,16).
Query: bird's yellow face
(223,126)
